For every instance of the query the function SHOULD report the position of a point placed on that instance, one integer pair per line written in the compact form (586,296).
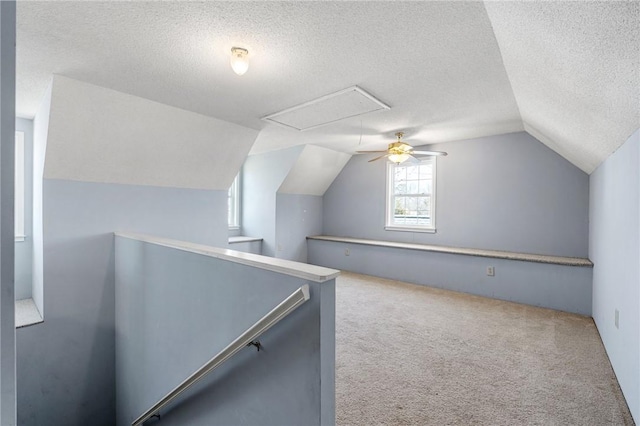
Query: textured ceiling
(437,64)
(575,72)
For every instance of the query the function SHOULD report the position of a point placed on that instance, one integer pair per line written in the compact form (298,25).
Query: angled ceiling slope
(565,71)
(575,72)
(101,135)
(314,171)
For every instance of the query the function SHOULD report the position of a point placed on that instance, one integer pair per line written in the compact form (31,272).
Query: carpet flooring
(413,355)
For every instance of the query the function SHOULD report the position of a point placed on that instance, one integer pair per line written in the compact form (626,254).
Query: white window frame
(233,201)
(19,187)
(390,205)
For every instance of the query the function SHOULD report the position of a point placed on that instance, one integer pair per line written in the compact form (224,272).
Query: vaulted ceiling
(566,72)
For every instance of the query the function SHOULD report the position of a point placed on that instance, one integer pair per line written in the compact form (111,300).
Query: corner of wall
(262,175)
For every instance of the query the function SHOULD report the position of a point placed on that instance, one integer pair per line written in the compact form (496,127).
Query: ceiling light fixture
(239,60)
(399,158)
(399,152)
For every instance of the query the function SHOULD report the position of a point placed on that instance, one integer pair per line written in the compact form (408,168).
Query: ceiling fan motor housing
(400,148)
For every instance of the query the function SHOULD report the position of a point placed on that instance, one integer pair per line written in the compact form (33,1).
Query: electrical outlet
(347,252)
(617,319)
(279,247)
(491,271)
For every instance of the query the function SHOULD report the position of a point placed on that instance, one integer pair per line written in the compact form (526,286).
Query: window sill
(408,229)
(234,228)
(27,313)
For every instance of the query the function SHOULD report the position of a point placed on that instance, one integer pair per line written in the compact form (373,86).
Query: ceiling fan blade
(440,153)
(368,152)
(377,158)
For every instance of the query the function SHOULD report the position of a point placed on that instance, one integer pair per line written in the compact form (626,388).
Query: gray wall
(566,288)
(506,192)
(66,365)
(160,322)
(7,235)
(614,248)
(24,249)
(297,217)
(262,175)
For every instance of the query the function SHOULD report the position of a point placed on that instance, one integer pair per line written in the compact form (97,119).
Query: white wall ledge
(287,267)
(496,254)
(27,313)
(243,239)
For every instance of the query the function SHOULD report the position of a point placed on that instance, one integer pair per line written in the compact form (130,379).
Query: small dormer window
(234,204)
(411,199)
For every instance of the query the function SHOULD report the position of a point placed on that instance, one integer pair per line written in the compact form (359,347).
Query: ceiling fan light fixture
(399,158)
(399,152)
(239,60)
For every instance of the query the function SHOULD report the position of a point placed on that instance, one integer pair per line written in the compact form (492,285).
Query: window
(19,188)
(234,204)
(411,196)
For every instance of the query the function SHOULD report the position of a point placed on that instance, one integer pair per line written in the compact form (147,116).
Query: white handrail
(287,306)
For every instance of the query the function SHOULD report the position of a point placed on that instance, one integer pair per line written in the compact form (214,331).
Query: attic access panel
(337,106)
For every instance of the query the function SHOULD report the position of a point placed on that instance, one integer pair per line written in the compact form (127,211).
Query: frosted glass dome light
(239,60)
(399,158)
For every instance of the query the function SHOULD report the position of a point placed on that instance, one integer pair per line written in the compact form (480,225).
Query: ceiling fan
(399,152)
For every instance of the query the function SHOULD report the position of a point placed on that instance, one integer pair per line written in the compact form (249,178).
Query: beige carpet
(412,355)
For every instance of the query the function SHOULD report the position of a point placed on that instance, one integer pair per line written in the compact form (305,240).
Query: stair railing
(247,338)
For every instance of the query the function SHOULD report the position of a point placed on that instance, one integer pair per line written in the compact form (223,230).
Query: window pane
(425,171)
(400,188)
(19,185)
(412,205)
(424,222)
(412,187)
(412,172)
(400,174)
(233,213)
(424,187)
(398,217)
(423,204)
